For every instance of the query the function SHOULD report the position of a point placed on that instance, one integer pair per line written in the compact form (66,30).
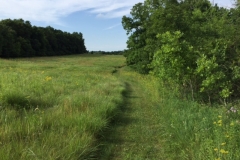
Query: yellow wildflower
(48,78)
(219,116)
(223,143)
(217,159)
(214,122)
(215,149)
(232,124)
(223,151)
(220,121)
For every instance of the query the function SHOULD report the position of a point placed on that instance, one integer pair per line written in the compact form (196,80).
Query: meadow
(54,108)
(95,107)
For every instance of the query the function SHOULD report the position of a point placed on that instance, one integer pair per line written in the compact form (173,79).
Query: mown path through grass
(135,134)
(73,107)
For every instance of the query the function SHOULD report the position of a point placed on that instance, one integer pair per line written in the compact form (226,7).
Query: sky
(98,20)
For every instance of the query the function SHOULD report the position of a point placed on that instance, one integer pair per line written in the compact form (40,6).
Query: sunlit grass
(198,131)
(160,123)
(135,134)
(60,108)
(53,108)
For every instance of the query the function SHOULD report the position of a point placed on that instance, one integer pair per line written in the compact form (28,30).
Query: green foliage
(213,72)
(136,27)
(9,46)
(192,43)
(20,39)
(170,62)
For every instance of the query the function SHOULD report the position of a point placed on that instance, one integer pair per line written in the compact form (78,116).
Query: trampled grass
(54,108)
(135,133)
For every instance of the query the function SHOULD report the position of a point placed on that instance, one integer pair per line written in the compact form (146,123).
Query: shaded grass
(55,108)
(110,138)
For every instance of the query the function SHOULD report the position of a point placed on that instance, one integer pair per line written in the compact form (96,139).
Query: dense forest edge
(192,44)
(18,38)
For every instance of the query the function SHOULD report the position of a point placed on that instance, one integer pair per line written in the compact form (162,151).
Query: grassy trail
(92,107)
(135,135)
(156,124)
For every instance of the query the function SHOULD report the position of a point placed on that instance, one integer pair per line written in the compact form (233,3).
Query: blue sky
(98,20)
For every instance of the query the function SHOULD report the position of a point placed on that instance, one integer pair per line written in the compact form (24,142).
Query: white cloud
(114,14)
(114,26)
(53,10)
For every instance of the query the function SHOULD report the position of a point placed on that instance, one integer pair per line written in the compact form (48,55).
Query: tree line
(18,38)
(107,52)
(192,43)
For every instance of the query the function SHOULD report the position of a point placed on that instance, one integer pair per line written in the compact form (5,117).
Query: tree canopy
(18,38)
(189,42)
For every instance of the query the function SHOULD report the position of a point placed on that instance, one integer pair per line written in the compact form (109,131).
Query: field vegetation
(183,103)
(95,107)
(54,108)
(192,47)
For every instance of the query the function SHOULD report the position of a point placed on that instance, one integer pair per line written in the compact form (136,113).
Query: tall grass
(197,131)
(54,108)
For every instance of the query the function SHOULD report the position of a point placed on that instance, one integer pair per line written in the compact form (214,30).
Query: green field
(54,108)
(95,107)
